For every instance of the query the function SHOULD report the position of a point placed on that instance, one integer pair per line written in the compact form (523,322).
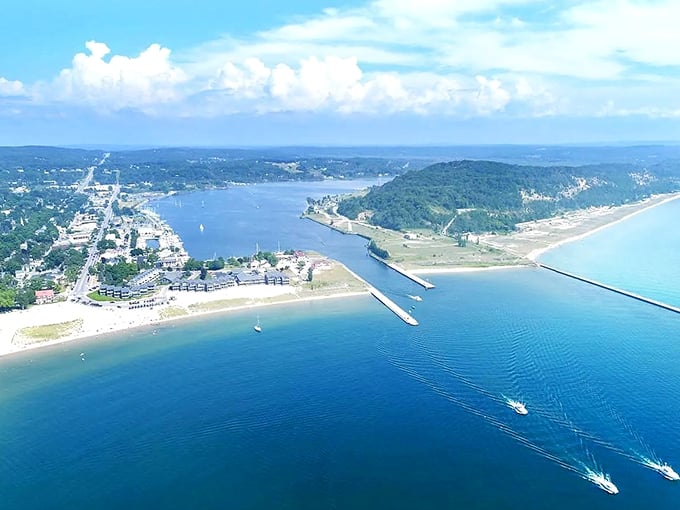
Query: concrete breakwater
(427,285)
(611,288)
(391,305)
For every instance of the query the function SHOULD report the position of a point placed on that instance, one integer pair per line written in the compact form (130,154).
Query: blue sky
(336,72)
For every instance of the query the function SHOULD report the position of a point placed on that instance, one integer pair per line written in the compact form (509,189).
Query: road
(80,287)
(90,173)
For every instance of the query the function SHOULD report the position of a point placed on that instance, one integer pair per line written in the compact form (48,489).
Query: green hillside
(486,196)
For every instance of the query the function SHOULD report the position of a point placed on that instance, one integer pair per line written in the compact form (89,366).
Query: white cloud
(340,85)
(451,57)
(11,87)
(120,81)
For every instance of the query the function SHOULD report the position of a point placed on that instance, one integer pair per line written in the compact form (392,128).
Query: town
(115,251)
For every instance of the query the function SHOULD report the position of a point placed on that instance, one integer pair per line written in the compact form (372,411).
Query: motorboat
(667,472)
(603,482)
(518,407)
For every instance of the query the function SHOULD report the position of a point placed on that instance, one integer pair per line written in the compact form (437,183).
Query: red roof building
(44,296)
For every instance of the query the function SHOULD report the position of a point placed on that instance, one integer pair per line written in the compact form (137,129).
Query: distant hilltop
(485,196)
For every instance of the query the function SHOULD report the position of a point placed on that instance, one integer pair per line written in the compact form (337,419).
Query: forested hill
(486,196)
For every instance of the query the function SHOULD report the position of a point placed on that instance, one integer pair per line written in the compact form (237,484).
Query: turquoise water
(338,404)
(638,255)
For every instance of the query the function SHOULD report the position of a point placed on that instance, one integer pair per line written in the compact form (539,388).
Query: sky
(339,72)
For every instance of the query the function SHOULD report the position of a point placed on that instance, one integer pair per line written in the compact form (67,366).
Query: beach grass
(38,334)
(331,281)
(220,304)
(172,312)
(424,249)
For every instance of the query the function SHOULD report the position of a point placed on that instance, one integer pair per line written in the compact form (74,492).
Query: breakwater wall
(333,227)
(391,305)
(626,293)
(403,272)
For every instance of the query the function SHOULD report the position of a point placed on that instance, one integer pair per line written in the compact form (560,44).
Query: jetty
(611,288)
(391,305)
(427,285)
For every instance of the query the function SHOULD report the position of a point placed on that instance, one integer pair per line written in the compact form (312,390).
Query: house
(276,278)
(44,296)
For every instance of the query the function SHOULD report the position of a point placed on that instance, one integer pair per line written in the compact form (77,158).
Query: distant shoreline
(534,254)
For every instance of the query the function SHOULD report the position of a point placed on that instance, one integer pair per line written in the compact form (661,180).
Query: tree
(106,244)
(216,265)
(380,252)
(310,274)
(7,298)
(193,265)
(24,298)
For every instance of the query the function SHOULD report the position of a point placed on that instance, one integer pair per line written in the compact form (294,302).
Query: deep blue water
(338,404)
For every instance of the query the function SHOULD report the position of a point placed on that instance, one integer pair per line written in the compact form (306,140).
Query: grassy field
(331,281)
(421,249)
(38,334)
(172,312)
(95,296)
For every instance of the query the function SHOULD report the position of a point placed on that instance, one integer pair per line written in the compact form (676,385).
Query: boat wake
(660,467)
(601,480)
(571,465)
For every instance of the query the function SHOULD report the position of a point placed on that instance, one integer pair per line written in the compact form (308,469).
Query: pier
(403,272)
(391,305)
(632,295)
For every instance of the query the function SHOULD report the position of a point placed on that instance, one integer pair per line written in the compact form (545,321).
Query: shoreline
(145,320)
(469,269)
(534,254)
(98,322)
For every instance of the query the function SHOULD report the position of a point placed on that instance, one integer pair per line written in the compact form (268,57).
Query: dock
(611,288)
(427,285)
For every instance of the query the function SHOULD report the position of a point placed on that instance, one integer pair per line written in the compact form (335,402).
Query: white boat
(415,298)
(257,326)
(518,407)
(603,482)
(666,471)
(201,227)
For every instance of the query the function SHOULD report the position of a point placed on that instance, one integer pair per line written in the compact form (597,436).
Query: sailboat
(257,326)
(201,227)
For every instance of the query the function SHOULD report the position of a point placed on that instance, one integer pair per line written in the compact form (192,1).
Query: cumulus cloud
(11,87)
(340,85)
(462,57)
(119,82)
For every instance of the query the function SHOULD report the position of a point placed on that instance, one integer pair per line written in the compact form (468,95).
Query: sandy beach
(82,321)
(455,270)
(536,237)
(89,321)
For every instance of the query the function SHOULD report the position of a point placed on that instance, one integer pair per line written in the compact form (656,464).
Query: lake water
(338,404)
